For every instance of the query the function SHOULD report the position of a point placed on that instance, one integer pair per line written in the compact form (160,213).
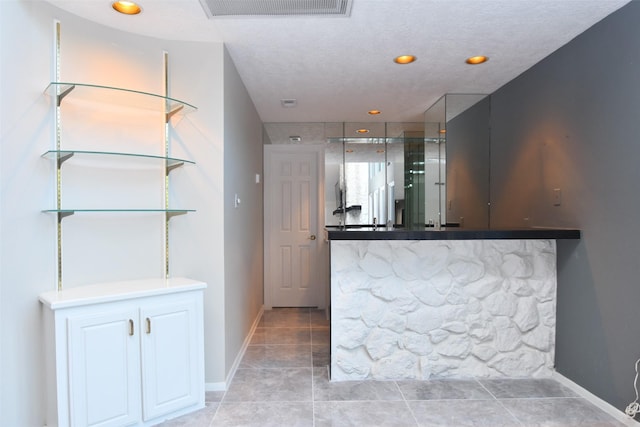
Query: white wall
(96,54)
(197,245)
(27,240)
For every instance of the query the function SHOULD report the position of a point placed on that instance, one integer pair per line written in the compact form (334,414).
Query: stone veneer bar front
(409,304)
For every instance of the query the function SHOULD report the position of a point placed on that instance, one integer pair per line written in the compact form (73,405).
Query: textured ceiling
(339,68)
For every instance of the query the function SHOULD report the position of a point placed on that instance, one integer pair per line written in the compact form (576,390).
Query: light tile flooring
(283,381)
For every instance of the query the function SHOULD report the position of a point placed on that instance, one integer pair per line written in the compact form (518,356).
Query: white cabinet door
(170,356)
(104,367)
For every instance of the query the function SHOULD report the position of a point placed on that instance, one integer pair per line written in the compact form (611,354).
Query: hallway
(283,381)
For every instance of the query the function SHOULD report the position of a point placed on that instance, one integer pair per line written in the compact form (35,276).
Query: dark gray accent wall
(572,122)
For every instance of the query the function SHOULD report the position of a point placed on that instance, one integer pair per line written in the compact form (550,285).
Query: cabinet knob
(312,237)
(130,327)
(148,325)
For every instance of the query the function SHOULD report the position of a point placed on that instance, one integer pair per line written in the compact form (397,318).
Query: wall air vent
(237,8)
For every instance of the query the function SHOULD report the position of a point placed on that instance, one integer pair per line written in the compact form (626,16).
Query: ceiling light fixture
(374,112)
(404,59)
(475,60)
(126,7)
(362,130)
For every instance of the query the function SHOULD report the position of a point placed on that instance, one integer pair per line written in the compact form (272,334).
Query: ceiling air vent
(288,103)
(234,8)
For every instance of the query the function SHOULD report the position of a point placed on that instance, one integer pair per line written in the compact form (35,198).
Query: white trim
(219,386)
(222,386)
(596,401)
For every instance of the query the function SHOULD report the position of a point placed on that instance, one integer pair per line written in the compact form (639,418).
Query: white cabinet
(126,353)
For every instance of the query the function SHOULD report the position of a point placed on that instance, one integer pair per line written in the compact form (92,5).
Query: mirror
(373,168)
(468,147)
(405,175)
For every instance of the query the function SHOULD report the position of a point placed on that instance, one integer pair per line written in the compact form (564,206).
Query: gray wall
(572,122)
(242,225)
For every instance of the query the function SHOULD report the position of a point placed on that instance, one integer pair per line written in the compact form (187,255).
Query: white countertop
(115,291)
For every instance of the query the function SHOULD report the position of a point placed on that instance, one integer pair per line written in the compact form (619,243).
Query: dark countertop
(453,233)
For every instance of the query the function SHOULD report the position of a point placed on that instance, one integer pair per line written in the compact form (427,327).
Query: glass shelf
(63,155)
(67,212)
(120,210)
(120,96)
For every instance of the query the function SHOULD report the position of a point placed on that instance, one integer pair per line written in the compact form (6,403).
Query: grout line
(483,386)
(406,403)
(313,384)
(541,398)
(510,413)
(313,395)
(215,413)
(244,402)
(462,399)
(400,391)
(495,398)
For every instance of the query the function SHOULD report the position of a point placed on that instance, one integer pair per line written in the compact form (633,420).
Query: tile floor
(283,381)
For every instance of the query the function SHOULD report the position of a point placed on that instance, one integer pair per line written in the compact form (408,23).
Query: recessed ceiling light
(126,7)
(362,130)
(374,112)
(474,60)
(349,150)
(404,59)
(379,151)
(295,138)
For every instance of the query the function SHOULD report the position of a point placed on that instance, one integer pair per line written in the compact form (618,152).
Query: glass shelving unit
(106,98)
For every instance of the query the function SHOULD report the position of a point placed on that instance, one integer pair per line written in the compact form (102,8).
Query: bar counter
(456,303)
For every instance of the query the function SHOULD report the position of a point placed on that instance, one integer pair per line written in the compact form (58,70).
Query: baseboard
(222,386)
(219,386)
(243,349)
(596,401)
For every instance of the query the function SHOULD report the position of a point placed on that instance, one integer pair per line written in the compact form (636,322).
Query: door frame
(323,247)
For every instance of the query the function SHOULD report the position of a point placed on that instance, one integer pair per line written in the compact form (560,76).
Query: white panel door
(291,219)
(104,369)
(170,372)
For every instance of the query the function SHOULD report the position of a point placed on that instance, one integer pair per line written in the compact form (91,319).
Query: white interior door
(292,268)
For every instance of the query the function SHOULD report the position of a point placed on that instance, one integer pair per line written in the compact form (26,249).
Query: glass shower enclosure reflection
(385,174)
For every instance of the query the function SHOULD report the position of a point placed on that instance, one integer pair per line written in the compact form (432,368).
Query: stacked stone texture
(424,309)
